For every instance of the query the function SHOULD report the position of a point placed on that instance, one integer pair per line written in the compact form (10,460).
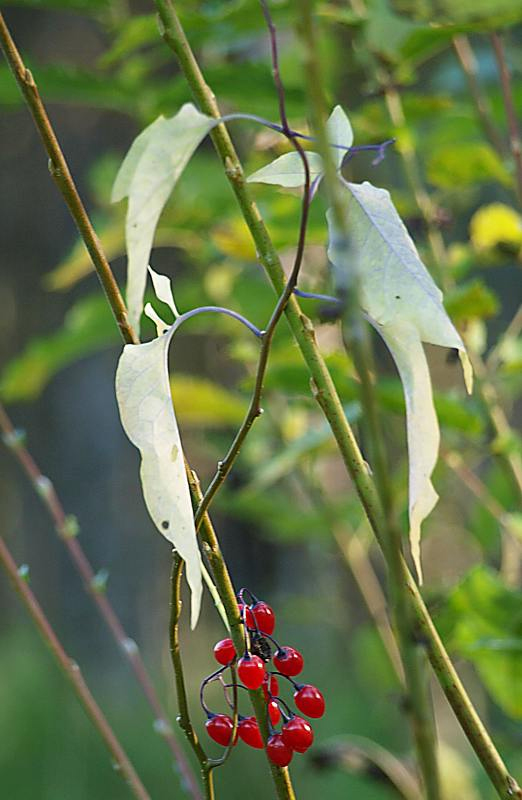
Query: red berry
(278,752)
(288,661)
(274,712)
(219,727)
(310,701)
(251,671)
(224,651)
(264,617)
(298,734)
(249,732)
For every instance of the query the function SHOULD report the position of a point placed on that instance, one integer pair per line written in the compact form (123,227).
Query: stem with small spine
(46,491)
(72,673)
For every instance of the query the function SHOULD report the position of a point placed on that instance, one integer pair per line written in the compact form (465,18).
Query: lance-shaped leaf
(399,296)
(147,177)
(147,415)
(288,171)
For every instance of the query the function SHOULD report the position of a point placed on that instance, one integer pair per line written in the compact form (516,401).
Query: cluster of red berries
(296,734)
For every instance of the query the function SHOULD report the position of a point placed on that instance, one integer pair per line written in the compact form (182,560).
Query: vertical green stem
(413,658)
(179,678)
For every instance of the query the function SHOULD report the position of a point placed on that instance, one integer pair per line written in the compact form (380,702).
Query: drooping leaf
(147,415)
(403,303)
(288,170)
(147,177)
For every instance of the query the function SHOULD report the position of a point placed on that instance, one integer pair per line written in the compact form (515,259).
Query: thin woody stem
(179,678)
(515,140)
(62,177)
(328,399)
(468,62)
(64,528)
(72,673)
(221,575)
(254,409)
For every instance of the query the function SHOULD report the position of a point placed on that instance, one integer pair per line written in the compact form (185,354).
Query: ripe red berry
(251,671)
(249,732)
(288,661)
(298,734)
(278,752)
(219,727)
(274,712)
(309,700)
(264,617)
(224,651)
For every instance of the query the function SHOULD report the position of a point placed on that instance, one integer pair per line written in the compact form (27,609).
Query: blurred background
(289,522)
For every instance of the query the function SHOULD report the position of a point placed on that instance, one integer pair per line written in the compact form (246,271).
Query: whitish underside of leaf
(147,177)
(401,300)
(288,170)
(147,415)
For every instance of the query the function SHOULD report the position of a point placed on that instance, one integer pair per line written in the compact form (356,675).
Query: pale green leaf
(147,415)
(288,171)
(401,300)
(147,176)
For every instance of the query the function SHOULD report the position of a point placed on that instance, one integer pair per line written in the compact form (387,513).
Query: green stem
(413,658)
(72,674)
(468,62)
(179,678)
(327,397)
(515,140)
(280,776)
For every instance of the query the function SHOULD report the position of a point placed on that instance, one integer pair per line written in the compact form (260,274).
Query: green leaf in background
(482,622)
(385,30)
(88,327)
(472,300)
(491,14)
(466,164)
(205,404)
(69,5)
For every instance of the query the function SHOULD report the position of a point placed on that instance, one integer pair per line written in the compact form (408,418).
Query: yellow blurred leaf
(496,224)
(234,240)
(77,264)
(203,403)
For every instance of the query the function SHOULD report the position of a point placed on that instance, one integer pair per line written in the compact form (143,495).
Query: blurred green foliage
(394,69)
